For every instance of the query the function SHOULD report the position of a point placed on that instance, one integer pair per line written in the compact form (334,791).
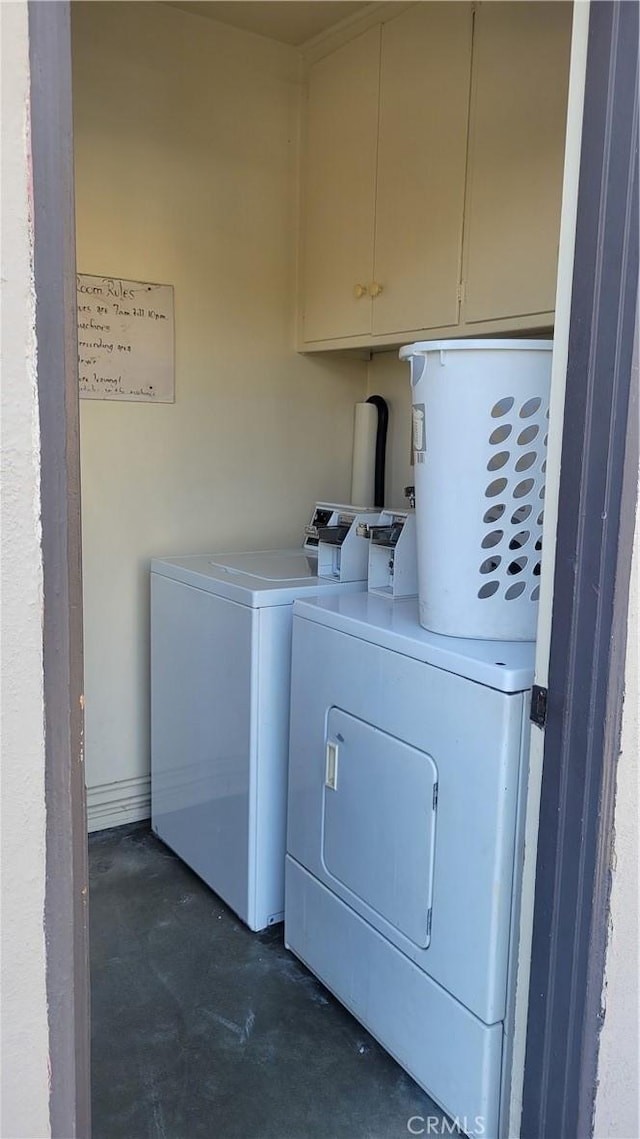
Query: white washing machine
(406,778)
(220,671)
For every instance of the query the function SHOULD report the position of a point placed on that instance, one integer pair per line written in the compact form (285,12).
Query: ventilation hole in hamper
(545,440)
(494,512)
(536,569)
(517,566)
(539,544)
(540,518)
(500,434)
(490,564)
(523,488)
(501,408)
(541,495)
(530,407)
(526,461)
(521,514)
(543,468)
(535,593)
(528,434)
(515,590)
(496,487)
(488,589)
(492,539)
(547,413)
(497,461)
(519,540)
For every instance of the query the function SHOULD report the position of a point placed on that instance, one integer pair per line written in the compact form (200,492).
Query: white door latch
(331,775)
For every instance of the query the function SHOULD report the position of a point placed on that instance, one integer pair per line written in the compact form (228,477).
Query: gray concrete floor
(203,1030)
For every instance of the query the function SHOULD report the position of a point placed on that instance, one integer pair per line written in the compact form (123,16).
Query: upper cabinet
(386,141)
(434,145)
(422,150)
(339,200)
(516,157)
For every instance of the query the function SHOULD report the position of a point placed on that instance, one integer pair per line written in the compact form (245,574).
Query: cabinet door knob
(360,291)
(375,289)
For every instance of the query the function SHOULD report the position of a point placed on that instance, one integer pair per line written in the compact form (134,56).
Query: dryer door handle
(331,770)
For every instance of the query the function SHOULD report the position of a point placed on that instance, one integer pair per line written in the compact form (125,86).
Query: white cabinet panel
(424,101)
(433,174)
(340,176)
(518,114)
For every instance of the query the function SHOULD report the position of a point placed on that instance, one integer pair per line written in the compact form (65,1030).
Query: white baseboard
(113,804)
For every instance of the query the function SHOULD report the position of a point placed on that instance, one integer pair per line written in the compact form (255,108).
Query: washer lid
(257,578)
(269,565)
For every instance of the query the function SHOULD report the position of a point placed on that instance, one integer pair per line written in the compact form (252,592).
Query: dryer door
(378,838)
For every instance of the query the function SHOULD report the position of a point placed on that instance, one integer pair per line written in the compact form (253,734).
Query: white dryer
(406,775)
(220,670)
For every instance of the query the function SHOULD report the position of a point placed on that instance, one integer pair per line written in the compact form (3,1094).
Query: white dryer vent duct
(369,445)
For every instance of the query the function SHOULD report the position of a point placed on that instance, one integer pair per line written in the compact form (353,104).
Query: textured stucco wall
(24,1104)
(618,1096)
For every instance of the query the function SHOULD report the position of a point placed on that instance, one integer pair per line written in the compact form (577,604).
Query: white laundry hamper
(480,422)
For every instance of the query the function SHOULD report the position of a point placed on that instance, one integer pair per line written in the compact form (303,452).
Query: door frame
(596,515)
(596,520)
(66,890)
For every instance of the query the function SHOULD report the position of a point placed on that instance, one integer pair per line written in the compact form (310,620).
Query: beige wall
(24,1089)
(618,1095)
(186,154)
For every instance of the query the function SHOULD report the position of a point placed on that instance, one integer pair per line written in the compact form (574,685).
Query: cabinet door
(518,113)
(341,144)
(424,102)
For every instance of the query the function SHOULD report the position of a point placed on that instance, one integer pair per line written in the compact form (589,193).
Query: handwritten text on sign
(125,340)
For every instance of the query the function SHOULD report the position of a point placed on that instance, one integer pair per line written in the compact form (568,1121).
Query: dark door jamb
(591,587)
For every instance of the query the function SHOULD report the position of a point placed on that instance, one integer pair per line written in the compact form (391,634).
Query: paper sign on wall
(125,340)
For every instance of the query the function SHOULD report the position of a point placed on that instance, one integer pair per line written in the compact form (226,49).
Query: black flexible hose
(381,448)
